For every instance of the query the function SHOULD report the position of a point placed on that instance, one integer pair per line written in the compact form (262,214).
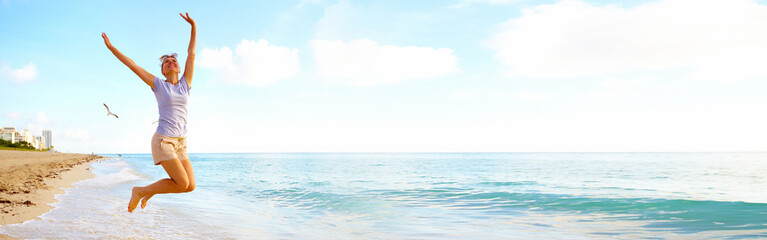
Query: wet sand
(29,180)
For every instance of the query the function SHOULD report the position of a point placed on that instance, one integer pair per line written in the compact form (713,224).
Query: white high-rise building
(47,136)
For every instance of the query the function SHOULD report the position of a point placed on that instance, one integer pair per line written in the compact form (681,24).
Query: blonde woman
(168,142)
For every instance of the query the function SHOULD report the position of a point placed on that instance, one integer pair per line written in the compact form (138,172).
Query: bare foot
(146,198)
(134,198)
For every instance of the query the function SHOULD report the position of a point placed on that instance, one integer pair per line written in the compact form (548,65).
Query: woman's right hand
(106,39)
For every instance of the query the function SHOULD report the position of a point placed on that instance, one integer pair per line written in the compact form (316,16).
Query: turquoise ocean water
(423,196)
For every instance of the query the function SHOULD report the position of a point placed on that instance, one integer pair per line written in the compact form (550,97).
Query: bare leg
(189,173)
(177,183)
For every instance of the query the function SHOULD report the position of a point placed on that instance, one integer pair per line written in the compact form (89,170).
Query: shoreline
(30,180)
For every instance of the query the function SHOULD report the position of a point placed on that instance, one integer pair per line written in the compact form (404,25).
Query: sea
(421,196)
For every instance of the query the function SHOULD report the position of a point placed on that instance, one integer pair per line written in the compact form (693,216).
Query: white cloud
(726,126)
(464,94)
(79,140)
(39,121)
(76,133)
(464,3)
(13,115)
(35,122)
(618,89)
(342,21)
(529,95)
(24,74)
(478,95)
(710,40)
(365,62)
(491,1)
(611,94)
(309,2)
(253,63)
(42,118)
(35,129)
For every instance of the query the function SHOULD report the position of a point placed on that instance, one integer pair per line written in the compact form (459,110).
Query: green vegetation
(22,145)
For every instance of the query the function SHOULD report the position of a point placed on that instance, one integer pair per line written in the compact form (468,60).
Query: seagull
(110,113)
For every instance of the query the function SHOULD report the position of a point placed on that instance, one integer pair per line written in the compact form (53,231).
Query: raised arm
(147,77)
(189,67)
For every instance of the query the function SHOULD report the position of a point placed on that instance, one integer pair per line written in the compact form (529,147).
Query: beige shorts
(167,148)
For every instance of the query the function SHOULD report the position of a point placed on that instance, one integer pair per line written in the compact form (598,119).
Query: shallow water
(423,196)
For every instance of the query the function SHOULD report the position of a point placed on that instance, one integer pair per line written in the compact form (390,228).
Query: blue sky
(463,75)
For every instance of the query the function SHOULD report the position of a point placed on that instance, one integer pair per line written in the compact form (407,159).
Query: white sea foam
(125,175)
(97,209)
(420,196)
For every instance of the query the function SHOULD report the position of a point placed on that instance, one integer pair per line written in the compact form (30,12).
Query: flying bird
(110,113)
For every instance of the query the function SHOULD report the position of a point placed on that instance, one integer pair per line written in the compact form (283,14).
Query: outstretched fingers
(106,39)
(187,18)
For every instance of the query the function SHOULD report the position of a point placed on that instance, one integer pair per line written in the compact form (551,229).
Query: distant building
(38,142)
(9,134)
(27,137)
(41,141)
(47,135)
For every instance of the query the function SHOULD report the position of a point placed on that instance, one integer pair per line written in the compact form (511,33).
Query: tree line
(20,144)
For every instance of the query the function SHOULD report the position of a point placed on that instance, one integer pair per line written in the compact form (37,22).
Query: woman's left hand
(187,18)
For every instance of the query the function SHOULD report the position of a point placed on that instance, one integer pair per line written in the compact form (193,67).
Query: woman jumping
(168,142)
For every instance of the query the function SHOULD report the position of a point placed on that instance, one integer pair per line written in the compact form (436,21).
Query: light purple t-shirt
(171,102)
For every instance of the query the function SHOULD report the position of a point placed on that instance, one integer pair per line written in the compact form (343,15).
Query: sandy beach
(29,180)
